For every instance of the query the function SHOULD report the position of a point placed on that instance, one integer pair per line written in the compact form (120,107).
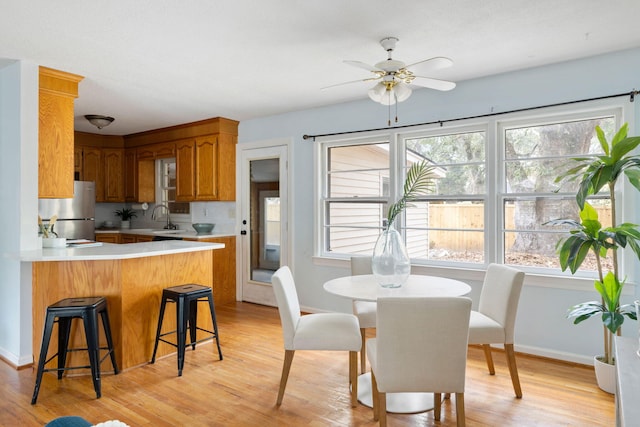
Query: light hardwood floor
(241,390)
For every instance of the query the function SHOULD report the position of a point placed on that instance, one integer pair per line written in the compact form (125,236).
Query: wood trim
(59,83)
(217,125)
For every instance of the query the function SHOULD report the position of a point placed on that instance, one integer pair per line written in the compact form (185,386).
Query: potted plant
(126,214)
(390,263)
(589,236)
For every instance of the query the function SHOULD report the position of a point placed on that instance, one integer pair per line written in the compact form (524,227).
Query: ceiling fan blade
(436,63)
(433,83)
(348,83)
(362,65)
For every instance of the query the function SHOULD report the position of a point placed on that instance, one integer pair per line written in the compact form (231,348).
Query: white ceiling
(157,63)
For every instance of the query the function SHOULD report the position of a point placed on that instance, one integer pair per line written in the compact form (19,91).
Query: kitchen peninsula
(131,277)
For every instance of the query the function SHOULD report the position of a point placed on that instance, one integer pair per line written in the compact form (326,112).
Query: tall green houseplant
(588,234)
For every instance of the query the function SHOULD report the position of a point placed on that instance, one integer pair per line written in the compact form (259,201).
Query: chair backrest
(361,265)
(288,305)
(421,344)
(500,295)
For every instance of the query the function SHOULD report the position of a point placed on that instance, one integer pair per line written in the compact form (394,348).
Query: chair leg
(288,358)
(487,355)
(437,405)
(460,417)
(363,351)
(215,323)
(375,397)
(513,369)
(107,332)
(382,403)
(353,377)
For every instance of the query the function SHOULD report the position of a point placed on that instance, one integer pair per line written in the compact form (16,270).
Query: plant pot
(605,375)
(125,224)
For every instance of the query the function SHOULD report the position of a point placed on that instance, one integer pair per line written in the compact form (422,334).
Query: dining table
(366,288)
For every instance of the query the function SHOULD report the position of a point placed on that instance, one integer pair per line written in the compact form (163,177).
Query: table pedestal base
(399,403)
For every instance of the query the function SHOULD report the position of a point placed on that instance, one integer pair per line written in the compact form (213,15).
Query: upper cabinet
(101,158)
(205,154)
(57,92)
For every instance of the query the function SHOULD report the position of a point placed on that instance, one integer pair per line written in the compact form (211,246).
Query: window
(494,192)
(449,224)
(356,190)
(534,155)
(166,187)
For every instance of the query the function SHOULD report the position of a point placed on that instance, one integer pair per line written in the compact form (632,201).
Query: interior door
(264,240)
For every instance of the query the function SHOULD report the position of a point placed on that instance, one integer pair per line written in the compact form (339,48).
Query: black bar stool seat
(186,298)
(62,313)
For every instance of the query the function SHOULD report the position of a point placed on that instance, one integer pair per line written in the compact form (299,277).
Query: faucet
(170,225)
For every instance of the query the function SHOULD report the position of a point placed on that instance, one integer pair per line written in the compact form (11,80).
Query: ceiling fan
(393,77)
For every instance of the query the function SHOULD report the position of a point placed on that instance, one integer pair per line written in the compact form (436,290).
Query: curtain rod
(631,96)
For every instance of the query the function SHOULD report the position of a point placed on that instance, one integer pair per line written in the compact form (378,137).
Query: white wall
(19,200)
(541,326)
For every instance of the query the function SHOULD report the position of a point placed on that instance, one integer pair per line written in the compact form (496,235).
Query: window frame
(494,125)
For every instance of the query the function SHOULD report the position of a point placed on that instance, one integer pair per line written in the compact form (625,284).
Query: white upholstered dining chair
(494,322)
(318,331)
(420,346)
(365,311)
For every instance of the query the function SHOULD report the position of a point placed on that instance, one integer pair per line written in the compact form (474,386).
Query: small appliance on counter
(76,216)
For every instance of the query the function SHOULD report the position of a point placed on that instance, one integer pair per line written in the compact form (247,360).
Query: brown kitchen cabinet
(113,178)
(108,237)
(205,169)
(139,173)
(57,92)
(224,269)
(134,238)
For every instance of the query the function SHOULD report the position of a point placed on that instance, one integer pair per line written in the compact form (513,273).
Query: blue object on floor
(71,421)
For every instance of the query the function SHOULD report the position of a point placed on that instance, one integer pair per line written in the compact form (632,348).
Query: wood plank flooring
(241,390)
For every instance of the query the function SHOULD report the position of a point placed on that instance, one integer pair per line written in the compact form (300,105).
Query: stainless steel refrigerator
(76,217)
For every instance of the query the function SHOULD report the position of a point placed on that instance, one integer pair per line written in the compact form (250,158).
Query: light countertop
(110,251)
(182,234)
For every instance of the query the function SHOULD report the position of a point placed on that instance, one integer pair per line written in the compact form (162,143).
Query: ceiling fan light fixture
(98,120)
(377,92)
(402,91)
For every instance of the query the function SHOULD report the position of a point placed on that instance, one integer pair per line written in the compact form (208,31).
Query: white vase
(605,375)
(390,263)
(125,224)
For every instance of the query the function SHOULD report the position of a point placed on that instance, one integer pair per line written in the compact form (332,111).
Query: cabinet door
(130,176)
(128,238)
(113,174)
(165,150)
(144,239)
(92,169)
(206,168)
(185,170)
(57,91)
(77,164)
(108,237)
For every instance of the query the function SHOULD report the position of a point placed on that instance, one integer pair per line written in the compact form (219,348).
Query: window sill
(537,279)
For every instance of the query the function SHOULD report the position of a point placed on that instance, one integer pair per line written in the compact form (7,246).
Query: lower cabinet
(108,237)
(224,269)
(224,261)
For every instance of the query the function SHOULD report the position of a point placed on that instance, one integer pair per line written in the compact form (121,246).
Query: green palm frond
(419,181)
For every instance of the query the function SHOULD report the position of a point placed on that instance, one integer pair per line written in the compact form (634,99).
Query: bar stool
(65,311)
(186,297)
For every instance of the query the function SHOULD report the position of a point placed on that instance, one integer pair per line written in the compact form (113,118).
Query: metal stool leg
(64,330)
(46,337)
(182,314)
(91,332)
(107,332)
(193,321)
(155,346)
(215,323)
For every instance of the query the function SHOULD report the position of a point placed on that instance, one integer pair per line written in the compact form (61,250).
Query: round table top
(366,288)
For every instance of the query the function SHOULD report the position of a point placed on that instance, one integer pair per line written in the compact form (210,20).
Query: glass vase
(390,264)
